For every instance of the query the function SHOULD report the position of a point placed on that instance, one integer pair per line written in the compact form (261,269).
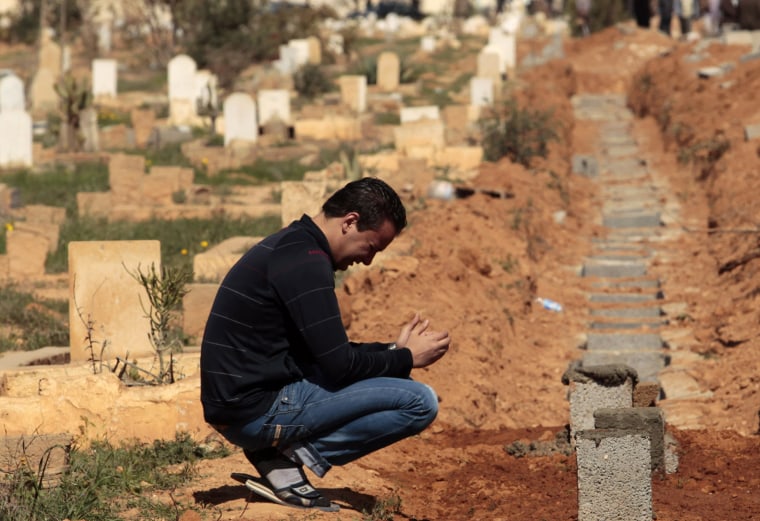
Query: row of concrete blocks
(619,437)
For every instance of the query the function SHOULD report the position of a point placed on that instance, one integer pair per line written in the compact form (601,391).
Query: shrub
(311,81)
(517,133)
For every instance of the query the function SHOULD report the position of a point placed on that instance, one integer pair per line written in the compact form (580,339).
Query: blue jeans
(321,427)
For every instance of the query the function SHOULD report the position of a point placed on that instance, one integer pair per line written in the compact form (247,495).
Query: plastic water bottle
(549,304)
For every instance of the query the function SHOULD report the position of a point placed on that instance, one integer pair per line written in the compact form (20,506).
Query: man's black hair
(372,199)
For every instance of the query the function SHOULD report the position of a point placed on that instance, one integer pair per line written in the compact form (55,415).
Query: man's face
(361,246)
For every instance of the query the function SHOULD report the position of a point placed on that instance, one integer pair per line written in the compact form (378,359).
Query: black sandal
(300,495)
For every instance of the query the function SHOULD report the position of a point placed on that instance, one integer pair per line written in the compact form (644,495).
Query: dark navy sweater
(275,320)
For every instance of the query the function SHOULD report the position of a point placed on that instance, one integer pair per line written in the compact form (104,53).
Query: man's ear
(350,219)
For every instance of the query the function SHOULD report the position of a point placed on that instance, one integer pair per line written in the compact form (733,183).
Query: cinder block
(614,476)
(596,387)
(648,419)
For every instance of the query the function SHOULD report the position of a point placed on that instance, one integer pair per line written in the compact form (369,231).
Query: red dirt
(482,262)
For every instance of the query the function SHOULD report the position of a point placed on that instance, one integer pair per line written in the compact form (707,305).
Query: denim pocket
(283,434)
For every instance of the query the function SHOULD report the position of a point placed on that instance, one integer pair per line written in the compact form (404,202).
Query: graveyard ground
(480,261)
(479,269)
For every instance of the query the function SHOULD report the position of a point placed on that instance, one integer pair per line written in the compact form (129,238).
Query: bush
(517,133)
(311,81)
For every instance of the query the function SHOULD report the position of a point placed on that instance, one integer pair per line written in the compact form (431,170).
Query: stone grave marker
(489,65)
(481,91)
(102,291)
(15,139)
(42,91)
(104,73)
(388,71)
(105,37)
(273,104)
(89,129)
(206,84)
(428,44)
(240,119)
(143,121)
(27,248)
(506,45)
(300,52)
(315,50)
(410,114)
(11,93)
(182,90)
(125,174)
(353,92)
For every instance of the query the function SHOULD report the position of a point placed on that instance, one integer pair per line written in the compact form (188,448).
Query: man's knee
(427,406)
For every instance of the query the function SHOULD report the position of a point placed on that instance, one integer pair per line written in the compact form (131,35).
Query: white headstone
(409,114)
(505,45)
(427,44)
(481,91)
(240,123)
(206,88)
(181,70)
(273,103)
(287,64)
(299,51)
(104,73)
(11,93)
(15,139)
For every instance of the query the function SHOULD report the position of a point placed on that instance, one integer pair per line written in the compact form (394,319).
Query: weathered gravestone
(15,139)
(388,71)
(107,303)
(182,90)
(353,92)
(240,122)
(489,65)
(481,92)
(11,93)
(273,105)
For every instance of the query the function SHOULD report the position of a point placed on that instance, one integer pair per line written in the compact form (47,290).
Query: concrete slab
(624,298)
(614,269)
(623,341)
(627,312)
(647,364)
(636,324)
(640,220)
(635,283)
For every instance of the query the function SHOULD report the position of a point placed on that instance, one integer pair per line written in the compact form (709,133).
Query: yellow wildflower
(9,227)
(183,251)
(204,244)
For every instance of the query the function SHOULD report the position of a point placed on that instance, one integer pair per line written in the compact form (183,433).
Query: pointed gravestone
(182,90)
(11,93)
(240,122)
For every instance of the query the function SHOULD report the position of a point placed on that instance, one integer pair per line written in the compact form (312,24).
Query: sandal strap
(302,494)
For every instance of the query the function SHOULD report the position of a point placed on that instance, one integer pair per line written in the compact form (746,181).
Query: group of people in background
(684,10)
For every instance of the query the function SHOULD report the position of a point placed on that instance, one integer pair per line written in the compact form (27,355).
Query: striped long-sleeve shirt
(275,320)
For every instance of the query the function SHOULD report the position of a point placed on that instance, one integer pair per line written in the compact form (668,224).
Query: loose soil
(484,260)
